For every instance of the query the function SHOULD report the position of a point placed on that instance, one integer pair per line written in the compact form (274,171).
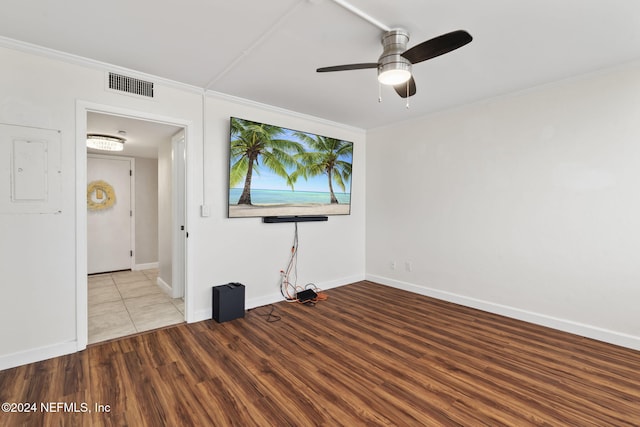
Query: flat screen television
(280,172)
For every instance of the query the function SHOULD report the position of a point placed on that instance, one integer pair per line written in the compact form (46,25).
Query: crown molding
(103,66)
(91,63)
(243,101)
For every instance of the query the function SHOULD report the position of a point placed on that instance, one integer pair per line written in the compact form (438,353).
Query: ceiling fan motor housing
(391,62)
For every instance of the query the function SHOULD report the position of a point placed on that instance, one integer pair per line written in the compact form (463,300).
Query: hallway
(128,302)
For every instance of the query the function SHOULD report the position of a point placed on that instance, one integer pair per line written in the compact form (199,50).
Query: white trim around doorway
(82,108)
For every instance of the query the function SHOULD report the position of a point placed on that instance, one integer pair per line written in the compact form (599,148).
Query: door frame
(178,206)
(82,109)
(132,201)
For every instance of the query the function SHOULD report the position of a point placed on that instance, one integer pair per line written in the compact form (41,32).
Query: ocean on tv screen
(279,197)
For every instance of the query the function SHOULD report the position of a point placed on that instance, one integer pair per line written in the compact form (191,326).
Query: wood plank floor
(369,355)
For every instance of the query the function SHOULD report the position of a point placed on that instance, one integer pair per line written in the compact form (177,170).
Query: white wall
(38,252)
(165,215)
(247,251)
(40,90)
(526,205)
(146,205)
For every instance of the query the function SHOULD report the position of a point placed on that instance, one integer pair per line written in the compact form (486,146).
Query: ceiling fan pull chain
(407,94)
(379,92)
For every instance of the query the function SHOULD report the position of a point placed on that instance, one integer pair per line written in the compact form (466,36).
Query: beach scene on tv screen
(275,171)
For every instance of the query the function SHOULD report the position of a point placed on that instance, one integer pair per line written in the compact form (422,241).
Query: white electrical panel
(29,170)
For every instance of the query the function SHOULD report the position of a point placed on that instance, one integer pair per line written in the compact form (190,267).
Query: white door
(109,214)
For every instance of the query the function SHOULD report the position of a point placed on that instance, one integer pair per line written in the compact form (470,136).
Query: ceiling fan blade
(401,89)
(437,46)
(348,67)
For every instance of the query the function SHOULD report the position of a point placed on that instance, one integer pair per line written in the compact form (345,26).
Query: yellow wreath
(104,193)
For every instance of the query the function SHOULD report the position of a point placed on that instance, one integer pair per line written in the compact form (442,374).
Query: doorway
(134,293)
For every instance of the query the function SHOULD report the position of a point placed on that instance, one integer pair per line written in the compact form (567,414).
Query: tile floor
(127,302)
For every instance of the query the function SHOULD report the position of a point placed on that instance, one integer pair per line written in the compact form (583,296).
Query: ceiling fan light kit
(393,68)
(395,64)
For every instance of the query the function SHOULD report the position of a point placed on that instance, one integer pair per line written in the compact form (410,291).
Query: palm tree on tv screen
(326,157)
(255,144)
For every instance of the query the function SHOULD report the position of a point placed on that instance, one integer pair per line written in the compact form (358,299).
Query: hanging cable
(288,284)
(271,316)
(289,278)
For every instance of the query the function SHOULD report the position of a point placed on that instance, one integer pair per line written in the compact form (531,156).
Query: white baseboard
(206,314)
(588,331)
(37,354)
(341,282)
(166,288)
(147,266)
(43,353)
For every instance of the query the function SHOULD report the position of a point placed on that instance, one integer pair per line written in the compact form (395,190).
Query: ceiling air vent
(130,85)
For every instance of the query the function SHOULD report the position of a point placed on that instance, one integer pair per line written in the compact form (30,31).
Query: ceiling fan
(394,65)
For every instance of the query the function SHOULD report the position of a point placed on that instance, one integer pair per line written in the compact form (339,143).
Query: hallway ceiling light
(105,142)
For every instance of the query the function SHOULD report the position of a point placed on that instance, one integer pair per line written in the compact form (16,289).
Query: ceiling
(142,137)
(268,51)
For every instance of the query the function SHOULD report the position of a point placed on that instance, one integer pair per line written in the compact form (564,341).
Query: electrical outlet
(408,266)
(392,265)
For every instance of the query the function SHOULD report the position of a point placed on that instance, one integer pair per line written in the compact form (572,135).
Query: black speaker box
(228,302)
(304,218)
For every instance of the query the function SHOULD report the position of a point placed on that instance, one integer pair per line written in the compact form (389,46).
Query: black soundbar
(305,218)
